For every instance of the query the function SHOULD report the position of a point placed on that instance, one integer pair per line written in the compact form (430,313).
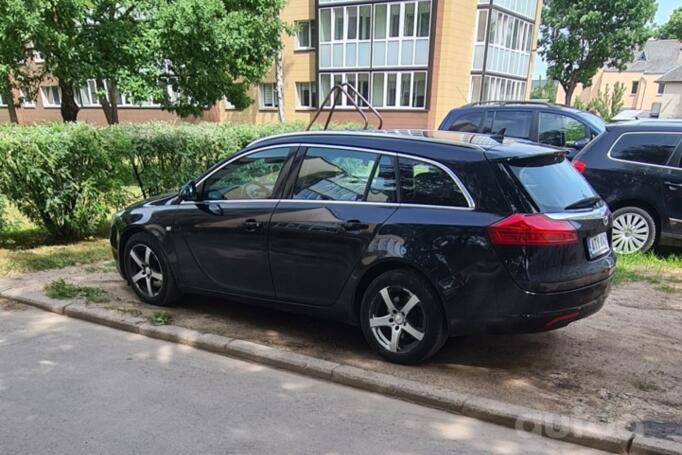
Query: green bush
(3,212)
(61,177)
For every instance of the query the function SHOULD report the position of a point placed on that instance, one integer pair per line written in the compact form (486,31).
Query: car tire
(634,230)
(147,270)
(402,317)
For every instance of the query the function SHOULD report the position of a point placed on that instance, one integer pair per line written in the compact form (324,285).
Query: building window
(306,93)
(497,89)
(3,103)
(634,88)
(52,95)
(482,25)
(268,96)
(661,88)
(86,96)
(358,80)
(26,102)
(228,106)
(304,34)
(400,90)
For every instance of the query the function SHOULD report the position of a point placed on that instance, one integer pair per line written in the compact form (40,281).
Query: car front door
(338,201)
(563,131)
(672,189)
(226,230)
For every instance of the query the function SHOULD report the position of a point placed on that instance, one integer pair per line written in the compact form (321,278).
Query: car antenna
(499,136)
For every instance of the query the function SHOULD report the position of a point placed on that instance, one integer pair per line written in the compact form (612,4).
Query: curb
(555,426)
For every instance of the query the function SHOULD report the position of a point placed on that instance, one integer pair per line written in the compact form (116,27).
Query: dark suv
(637,168)
(549,124)
(413,235)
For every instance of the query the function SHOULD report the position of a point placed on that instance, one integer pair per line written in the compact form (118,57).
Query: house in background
(642,92)
(671,86)
(414,60)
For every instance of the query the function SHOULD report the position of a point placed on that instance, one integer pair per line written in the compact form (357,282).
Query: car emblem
(606,221)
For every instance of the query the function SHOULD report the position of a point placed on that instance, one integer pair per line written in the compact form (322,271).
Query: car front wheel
(634,230)
(148,271)
(402,318)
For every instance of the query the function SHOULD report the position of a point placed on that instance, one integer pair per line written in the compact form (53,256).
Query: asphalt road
(71,387)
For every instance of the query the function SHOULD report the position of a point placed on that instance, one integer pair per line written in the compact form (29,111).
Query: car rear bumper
(538,312)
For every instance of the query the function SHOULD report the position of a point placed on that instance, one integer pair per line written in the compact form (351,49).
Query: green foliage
(673,28)
(161,318)
(60,289)
(61,177)
(607,104)
(17,259)
(546,91)
(578,37)
(3,213)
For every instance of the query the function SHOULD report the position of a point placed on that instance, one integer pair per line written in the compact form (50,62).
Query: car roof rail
(343,89)
(514,102)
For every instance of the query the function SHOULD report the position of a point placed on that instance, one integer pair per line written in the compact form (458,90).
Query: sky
(665,9)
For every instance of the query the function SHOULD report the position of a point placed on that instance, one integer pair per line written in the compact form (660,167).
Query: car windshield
(596,122)
(554,186)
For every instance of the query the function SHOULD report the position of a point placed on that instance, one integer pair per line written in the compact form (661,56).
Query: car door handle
(354,225)
(252,225)
(215,209)
(674,186)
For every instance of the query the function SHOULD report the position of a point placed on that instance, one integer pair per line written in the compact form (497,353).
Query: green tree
(578,37)
(608,103)
(673,28)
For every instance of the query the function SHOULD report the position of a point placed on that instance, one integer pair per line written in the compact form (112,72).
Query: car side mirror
(188,191)
(580,144)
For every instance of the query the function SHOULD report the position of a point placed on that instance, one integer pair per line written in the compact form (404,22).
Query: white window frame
(312,88)
(45,99)
(2,101)
(311,36)
(261,96)
(228,106)
(398,74)
(26,103)
(401,38)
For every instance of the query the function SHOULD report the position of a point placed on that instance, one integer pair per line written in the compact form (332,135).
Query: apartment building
(413,60)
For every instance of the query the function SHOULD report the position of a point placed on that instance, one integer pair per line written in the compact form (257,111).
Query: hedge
(68,178)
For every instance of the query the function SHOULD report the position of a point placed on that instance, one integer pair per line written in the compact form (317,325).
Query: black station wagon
(413,235)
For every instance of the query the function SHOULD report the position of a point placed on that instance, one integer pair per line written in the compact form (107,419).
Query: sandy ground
(622,365)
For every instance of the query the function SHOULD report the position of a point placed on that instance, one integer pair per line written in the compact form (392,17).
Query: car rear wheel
(402,318)
(148,272)
(634,230)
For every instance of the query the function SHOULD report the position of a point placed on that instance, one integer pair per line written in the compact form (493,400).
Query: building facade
(642,92)
(413,60)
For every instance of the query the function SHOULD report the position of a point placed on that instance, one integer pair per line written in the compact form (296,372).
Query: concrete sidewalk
(67,386)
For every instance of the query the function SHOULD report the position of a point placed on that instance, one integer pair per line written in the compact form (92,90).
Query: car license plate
(597,245)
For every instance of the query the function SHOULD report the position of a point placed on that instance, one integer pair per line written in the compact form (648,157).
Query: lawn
(24,247)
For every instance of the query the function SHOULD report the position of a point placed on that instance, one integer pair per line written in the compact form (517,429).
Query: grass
(660,269)
(24,247)
(161,318)
(60,289)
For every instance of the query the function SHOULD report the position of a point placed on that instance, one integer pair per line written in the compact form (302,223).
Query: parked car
(545,123)
(413,235)
(636,167)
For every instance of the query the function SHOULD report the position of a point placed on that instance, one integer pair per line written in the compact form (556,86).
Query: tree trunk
(279,77)
(569,93)
(8,96)
(68,107)
(110,104)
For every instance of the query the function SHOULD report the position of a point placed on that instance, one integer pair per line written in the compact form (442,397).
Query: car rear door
(338,198)
(226,230)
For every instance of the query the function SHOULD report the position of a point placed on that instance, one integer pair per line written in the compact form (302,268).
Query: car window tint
(250,177)
(383,186)
(468,123)
(553,186)
(514,123)
(334,174)
(645,148)
(560,130)
(425,184)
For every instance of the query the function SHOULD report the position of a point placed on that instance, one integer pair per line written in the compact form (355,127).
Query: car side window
(426,184)
(250,177)
(561,130)
(648,148)
(331,174)
(468,123)
(514,123)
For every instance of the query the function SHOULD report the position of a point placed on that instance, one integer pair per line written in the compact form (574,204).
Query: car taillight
(532,229)
(579,165)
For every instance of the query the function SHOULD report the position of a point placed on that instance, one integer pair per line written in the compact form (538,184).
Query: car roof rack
(343,89)
(512,102)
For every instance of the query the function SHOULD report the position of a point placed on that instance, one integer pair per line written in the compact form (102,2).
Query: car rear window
(552,185)
(647,148)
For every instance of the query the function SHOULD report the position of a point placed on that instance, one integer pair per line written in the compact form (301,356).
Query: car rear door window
(561,130)
(332,174)
(468,123)
(251,177)
(514,123)
(646,148)
(426,184)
